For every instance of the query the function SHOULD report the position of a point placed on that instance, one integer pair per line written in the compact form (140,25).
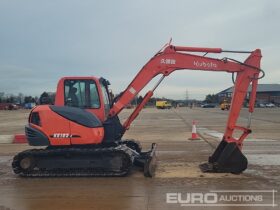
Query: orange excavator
(81,134)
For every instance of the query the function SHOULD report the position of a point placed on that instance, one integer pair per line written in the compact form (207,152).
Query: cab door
(84,94)
(105,96)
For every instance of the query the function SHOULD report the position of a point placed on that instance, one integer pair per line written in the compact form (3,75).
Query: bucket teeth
(206,167)
(227,158)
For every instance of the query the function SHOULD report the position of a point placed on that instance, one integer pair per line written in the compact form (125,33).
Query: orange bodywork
(62,131)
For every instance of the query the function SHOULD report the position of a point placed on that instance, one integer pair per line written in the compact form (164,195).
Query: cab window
(105,99)
(94,97)
(81,93)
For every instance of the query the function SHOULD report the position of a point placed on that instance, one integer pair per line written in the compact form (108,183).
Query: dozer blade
(147,160)
(227,158)
(150,163)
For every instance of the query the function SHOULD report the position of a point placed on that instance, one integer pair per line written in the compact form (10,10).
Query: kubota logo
(205,64)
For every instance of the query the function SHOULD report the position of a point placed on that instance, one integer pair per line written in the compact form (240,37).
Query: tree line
(48,98)
(21,99)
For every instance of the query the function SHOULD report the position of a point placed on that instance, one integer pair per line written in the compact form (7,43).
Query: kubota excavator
(82,133)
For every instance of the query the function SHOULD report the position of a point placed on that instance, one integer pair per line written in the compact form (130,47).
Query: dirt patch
(188,170)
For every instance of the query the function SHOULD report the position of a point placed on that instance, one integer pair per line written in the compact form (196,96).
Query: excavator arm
(227,157)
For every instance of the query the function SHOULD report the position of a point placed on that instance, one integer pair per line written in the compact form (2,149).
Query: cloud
(41,41)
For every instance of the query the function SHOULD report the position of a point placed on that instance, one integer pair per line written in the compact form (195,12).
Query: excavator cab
(89,93)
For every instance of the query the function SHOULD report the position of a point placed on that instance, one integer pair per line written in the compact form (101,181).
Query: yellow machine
(163,105)
(225,105)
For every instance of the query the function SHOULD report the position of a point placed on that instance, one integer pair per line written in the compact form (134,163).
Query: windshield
(81,93)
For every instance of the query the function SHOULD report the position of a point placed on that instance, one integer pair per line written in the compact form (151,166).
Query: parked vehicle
(225,105)
(270,105)
(8,106)
(208,106)
(163,105)
(261,105)
(29,105)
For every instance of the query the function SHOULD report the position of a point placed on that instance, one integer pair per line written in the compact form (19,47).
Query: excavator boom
(172,59)
(228,156)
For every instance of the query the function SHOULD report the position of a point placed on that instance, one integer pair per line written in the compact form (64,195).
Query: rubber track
(72,172)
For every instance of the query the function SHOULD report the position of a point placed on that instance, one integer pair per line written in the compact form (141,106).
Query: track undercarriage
(114,159)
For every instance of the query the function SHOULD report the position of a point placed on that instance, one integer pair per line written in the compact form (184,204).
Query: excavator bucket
(147,161)
(227,158)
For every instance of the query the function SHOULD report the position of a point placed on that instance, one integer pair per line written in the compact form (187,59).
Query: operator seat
(73,97)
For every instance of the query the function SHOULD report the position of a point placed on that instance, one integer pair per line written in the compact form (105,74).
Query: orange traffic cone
(194,133)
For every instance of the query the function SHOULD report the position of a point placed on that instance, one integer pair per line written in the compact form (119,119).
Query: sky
(41,41)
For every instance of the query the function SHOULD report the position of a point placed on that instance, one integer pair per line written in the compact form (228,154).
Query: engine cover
(64,125)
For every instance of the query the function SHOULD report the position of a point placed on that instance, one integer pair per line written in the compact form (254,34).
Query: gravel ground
(177,171)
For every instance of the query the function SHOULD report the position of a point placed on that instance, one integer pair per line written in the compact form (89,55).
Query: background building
(266,93)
